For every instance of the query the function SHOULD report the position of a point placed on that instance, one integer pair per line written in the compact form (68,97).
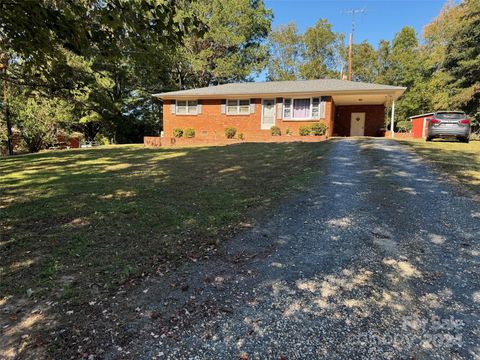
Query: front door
(268,114)
(357,124)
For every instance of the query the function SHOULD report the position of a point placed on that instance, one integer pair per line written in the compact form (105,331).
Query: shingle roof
(279,87)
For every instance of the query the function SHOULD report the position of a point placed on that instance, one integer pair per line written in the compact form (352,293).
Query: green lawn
(70,219)
(457,159)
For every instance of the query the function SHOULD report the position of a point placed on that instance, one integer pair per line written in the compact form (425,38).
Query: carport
(363,113)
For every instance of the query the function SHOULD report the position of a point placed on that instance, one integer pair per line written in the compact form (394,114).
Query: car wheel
(428,138)
(465,140)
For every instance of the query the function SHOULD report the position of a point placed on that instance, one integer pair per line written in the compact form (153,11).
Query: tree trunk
(7,108)
(7,120)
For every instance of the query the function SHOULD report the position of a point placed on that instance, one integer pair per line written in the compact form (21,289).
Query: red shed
(419,125)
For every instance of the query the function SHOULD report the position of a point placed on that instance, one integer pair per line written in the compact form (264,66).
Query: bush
(230,132)
(318,129)
(39,119)
(177,132)
(304,130)
(404,126)
(189,133)
(288,132)
(241,136)
(101,139)
(275,130)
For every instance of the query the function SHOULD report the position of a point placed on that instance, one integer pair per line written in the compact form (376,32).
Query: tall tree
(404,58)
(404,67)
(321,51)
(231,47)
(364,62)
(462,60)
(383,61)
(98,53)
(312,55)
(286,49)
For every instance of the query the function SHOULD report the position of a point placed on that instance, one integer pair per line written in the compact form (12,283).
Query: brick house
(347,108)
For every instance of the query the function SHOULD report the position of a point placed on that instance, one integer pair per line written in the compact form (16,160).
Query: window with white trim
(303,108)
(238,107)
(186,107)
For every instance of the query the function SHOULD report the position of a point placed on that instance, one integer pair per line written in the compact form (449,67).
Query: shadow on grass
(77,223)
(460,160)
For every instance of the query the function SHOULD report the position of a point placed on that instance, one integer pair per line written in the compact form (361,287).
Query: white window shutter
(252,106)
(287,108)
(323,103)
(199,106)
(279,108)
(223,107)
(172,108)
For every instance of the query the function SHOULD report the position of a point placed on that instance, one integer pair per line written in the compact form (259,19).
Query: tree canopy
(312,55)
(90,66)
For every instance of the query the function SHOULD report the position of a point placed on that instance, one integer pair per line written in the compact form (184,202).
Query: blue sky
(382,20)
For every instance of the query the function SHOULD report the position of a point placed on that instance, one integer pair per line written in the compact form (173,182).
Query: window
(450,116)
(186,107)
(301,108)
(316,108)
(238,107)
(287,109)
(304,109)
(296,109)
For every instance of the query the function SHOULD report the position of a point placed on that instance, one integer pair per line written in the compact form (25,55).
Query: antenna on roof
(352,12)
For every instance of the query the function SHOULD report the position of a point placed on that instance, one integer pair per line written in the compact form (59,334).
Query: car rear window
(450,116)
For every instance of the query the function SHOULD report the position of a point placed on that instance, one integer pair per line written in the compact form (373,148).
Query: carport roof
(321,86)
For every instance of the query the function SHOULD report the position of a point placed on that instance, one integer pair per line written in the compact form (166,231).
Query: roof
(437,112)
(421,115)
(325,86)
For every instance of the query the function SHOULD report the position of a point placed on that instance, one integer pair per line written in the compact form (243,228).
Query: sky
(382,18)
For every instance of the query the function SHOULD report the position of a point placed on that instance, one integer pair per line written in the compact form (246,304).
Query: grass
(460,160)
(70,219)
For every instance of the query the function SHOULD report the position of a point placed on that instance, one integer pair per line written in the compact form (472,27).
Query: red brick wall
(374,119)
(398,135)
(152,141)
(211,123)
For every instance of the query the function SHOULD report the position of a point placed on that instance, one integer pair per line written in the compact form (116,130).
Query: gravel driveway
(380,259)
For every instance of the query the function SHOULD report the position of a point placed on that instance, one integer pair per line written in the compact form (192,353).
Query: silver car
(448,124)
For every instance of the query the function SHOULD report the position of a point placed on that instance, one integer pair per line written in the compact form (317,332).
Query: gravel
(379,259)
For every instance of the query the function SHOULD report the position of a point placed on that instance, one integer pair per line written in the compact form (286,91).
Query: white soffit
(361,99)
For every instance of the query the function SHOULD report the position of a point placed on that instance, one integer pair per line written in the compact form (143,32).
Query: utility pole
(352,12)
(3,68)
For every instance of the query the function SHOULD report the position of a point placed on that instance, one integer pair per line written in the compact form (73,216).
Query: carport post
(392,124)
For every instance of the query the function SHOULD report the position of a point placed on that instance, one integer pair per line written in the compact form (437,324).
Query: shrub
(39,118)
(189,133)
(404,126)
(318,129)
(241,136)
(230,132)
(288,132)
(275,130)
(304,130)
(101,139)
(177,132)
